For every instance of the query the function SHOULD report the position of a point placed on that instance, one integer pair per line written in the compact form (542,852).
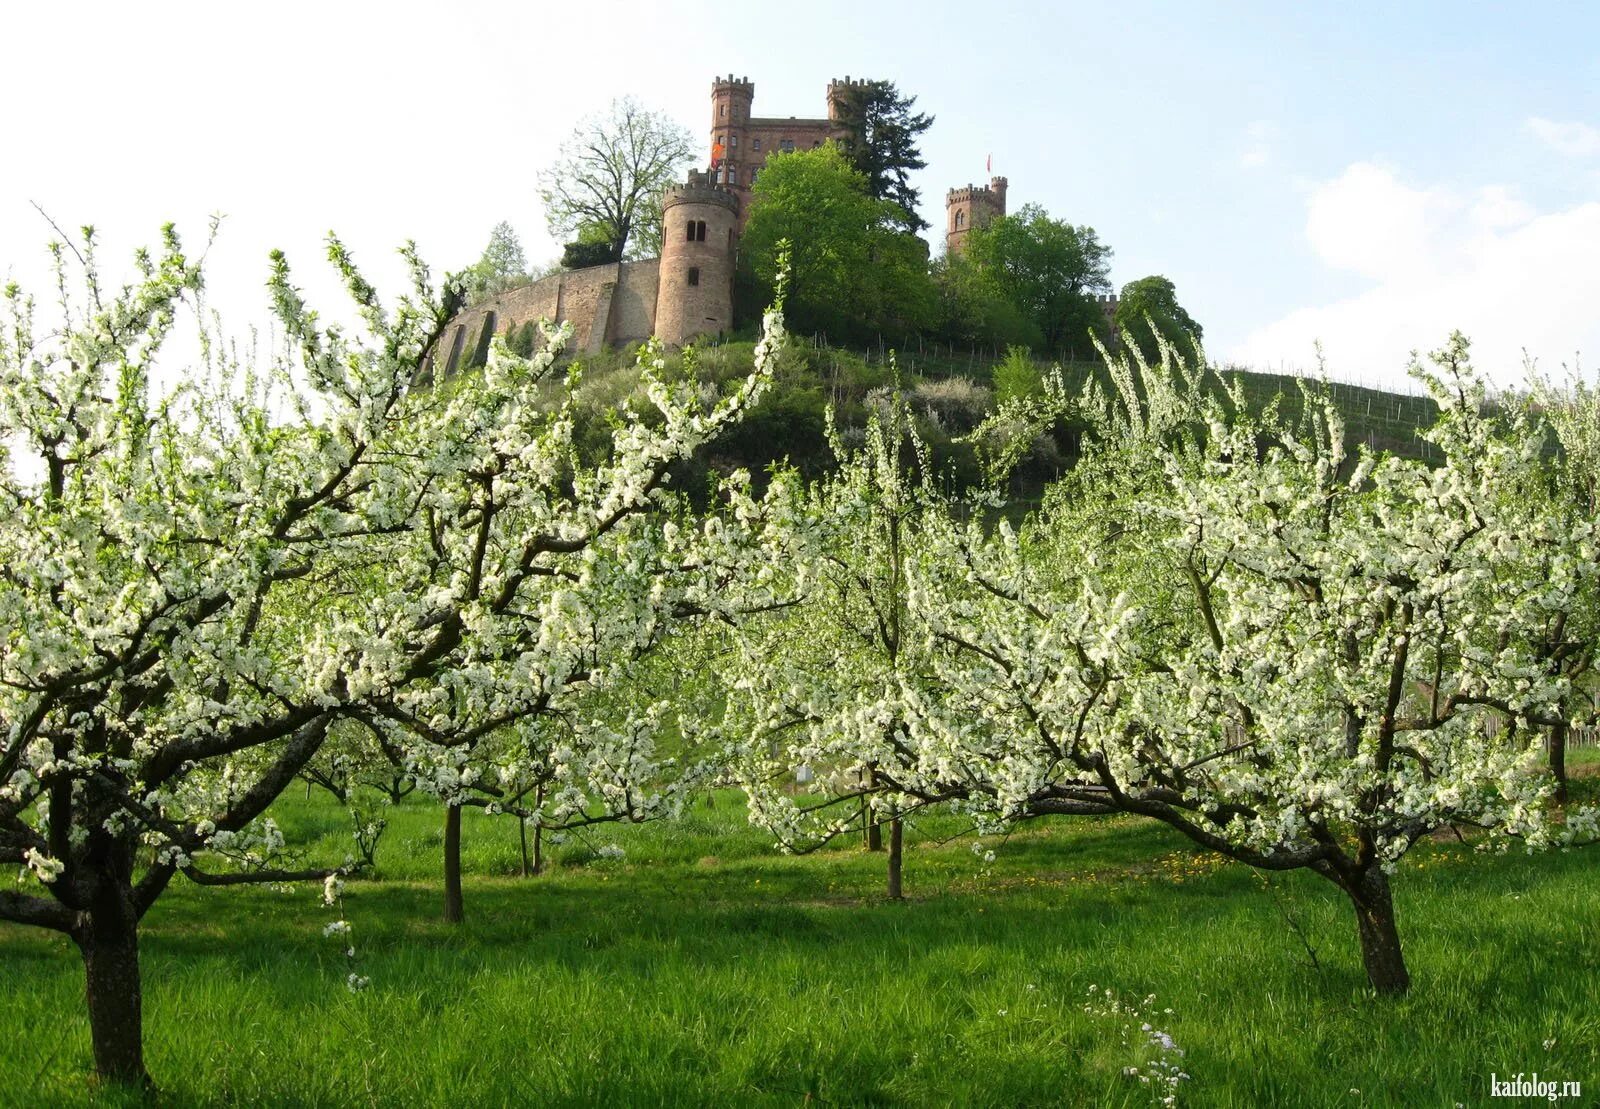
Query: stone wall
(611,304)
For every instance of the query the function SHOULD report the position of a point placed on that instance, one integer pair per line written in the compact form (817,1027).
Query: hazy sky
(1370,175)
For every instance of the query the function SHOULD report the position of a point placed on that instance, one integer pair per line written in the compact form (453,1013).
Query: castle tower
(731,98)
(837,92)
(699,240)
(970,207)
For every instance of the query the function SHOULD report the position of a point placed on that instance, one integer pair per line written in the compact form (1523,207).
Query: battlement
(847,83)
(977,192)
(700,188)
(730,83)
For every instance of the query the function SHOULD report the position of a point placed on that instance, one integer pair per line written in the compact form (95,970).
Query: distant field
(704,969)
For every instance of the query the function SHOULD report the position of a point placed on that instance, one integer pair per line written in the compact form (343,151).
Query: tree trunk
(1558,760)
(873,830)
(452,864)
(109,942)
(896,843)
(522,842)
(1380,942)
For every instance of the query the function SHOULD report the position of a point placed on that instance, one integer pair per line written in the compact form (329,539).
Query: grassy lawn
(705,969)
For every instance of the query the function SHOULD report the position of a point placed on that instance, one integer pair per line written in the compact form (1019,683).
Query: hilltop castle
(688,291)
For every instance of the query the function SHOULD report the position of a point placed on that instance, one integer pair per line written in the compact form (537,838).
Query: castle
(688,291)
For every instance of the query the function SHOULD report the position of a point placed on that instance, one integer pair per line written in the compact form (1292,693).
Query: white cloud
(1576,140)
(1486,263)
(1258,142)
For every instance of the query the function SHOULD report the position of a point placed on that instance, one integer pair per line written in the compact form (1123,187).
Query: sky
(1362,176)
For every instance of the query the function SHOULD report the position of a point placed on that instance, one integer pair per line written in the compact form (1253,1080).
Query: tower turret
(971,206)
(731,98)
(699,239)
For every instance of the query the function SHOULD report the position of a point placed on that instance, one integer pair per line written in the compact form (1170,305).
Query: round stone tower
(699,240)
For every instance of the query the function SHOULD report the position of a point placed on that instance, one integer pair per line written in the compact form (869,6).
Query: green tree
(1016,376)
(502,266)
(1149,307)
(883,143)
(610,174)
(854,269)
(1050,270)
(971,308)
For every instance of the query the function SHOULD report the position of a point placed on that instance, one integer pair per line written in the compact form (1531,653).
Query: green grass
(704,969)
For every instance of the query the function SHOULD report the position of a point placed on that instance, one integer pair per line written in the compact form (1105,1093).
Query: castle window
(690,239)
(722,111)
(755,144)
(787,145)
(733,141)
(961,219)
(699,231)
(694,275)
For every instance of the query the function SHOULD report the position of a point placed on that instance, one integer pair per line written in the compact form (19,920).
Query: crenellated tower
(969,207)
(699,244)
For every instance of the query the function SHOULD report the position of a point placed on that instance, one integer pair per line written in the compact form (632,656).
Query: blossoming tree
(1295,657)
(200,580)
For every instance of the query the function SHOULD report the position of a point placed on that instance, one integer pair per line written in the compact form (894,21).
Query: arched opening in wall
(961,219)
(694,275)
(699,231)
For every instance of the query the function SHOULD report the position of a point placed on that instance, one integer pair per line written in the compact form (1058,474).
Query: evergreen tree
(883,146)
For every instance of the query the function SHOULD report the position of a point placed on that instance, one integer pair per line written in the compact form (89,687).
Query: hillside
(951,392)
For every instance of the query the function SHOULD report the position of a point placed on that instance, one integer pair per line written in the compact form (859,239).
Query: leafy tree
(1149,307)
(502,266)
(201,583)
(1016,377)
(610,174)
(820,701)
(883,143)
(971,308)
(1050,270)
(1295,662)
(854,269)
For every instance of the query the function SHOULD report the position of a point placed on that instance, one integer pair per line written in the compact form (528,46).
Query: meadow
(703,968)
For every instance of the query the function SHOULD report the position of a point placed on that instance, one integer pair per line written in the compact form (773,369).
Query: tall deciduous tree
(1050,270)
(883,143)
(502,265)
(1148,308)
(1296,662)
(854,269)
(201,582)
(611,171)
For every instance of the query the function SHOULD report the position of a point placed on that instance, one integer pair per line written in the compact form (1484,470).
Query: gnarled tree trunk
(1558,760)
(452,864)
(108,938)
(1380,941)
(896,853)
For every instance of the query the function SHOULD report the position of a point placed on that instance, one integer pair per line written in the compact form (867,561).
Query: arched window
(691,232)
(961,219)
(755,144)
(722,111)
(700,231)
(694,275)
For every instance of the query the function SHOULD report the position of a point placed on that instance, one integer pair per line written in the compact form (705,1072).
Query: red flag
(988,164)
